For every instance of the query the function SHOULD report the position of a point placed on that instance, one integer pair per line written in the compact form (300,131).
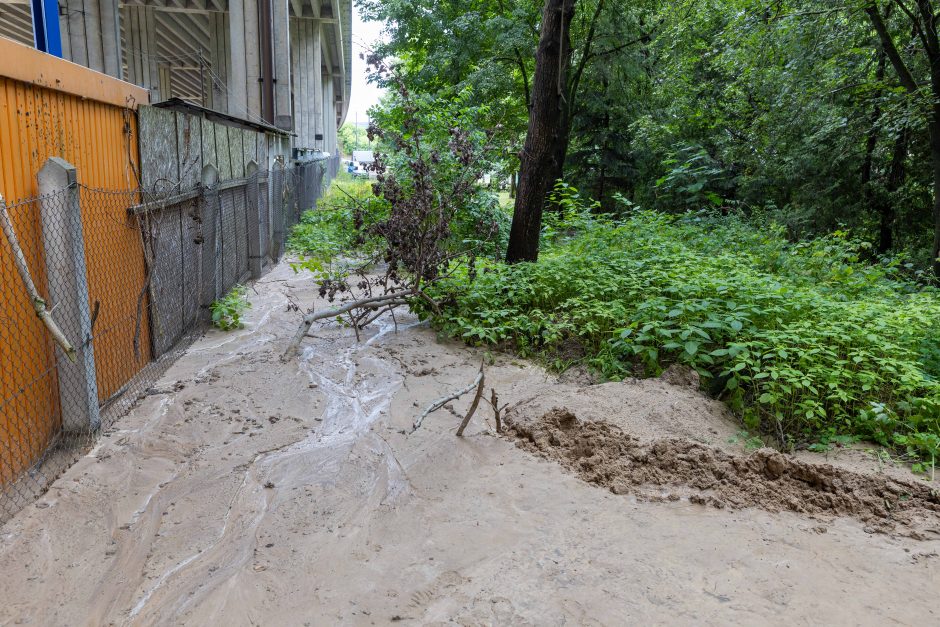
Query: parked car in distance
(354,168)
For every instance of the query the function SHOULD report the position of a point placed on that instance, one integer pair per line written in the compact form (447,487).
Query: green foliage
(785,106)
(803,340)
(227,311)
(340,222)
(435,151)
(352,138)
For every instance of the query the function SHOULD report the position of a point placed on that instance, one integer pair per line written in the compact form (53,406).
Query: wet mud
(669,469)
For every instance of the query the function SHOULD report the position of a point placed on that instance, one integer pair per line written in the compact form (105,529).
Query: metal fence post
(208,212)
(67,281)
(280,198)
(255,245)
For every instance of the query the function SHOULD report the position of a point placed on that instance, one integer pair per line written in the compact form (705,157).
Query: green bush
(227,311)
(340,222)
(804,341)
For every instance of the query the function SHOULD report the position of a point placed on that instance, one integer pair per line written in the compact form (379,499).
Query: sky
(364,95)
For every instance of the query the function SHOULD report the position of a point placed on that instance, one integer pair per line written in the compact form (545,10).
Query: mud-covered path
(248,491)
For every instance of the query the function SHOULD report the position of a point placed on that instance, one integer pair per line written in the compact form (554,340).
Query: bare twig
(310,318)
(443,401)
(385,308)
(497,410)
(474,404)
(39,304)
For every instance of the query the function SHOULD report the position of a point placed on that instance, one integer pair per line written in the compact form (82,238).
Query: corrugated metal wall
(100,139)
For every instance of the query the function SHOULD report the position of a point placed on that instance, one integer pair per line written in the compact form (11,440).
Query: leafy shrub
(803,340)
(340,222)
(227,311)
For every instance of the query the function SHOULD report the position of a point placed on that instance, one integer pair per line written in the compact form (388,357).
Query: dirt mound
(604,454)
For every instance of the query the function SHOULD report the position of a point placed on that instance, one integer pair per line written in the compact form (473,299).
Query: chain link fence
(126,277)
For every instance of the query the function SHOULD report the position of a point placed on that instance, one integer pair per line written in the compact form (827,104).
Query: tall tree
(922,20)
(547,136)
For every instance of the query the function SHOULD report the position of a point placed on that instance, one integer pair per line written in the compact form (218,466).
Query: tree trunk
(545,142)
(933,128)
(559,154)
(605,148)
(926,27)
(896,176)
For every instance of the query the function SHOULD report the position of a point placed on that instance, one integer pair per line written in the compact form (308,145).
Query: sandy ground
(247,491)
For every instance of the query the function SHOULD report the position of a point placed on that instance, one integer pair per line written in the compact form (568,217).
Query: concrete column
(111,37)
(238,73)
(252,60)
(164,80)
(142,50)
(219,60)
(67,281)
(305,105)
(296,44)
(94,35)
(316,96)
(329,110)
(77,39)
(64,33)
(92,19)
(283,116)
(209,251)
(309,108)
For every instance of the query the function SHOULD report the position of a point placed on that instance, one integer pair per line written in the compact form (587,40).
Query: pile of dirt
(669,406)
(604,454)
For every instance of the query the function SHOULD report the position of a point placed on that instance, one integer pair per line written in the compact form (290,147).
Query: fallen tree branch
(474,404)
(385,308)
(477,383)
(39,304)
(373,302)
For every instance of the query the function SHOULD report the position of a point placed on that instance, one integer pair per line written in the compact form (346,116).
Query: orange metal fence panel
(50,107)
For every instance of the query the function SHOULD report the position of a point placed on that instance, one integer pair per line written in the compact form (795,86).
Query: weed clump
(227,311)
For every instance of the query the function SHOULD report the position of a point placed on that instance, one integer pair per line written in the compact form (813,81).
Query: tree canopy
(821,115)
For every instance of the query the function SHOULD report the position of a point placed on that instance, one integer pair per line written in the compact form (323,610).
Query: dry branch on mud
(366,310)
(433,407)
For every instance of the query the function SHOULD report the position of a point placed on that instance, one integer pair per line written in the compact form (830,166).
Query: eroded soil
(250,491)
(603,454)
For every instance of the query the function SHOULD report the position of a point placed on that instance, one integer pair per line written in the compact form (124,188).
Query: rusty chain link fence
(126,277)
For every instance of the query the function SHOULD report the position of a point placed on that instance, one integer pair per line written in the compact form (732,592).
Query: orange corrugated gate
(53,108)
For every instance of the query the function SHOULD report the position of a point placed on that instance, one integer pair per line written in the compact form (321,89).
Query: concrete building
(283,63)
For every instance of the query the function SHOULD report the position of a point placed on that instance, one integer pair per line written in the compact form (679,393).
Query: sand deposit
(250,491)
